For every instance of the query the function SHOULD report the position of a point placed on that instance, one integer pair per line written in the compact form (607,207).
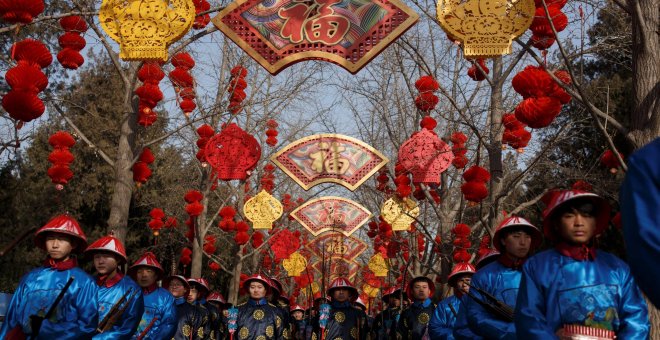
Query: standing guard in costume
(297,322)
(191,320)
(359,303)
(120,299)
(445,316)
(257,318)
(414,321)
(218,301)
(345,322)
(494,288)
(282,303)
(199,290)
(159,319)
(575,289)
(35,310)
(384,326)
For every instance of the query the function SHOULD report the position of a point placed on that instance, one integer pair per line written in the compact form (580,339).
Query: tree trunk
(234,283)
(123,188)
(198,241)
(645,122)
(494,146)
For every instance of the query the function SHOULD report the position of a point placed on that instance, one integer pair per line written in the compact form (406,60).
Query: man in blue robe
(445,315)
(574,289)
(76,316)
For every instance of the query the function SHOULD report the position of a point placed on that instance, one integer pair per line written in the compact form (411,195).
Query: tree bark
(645,122)
(234,283)
(495,137)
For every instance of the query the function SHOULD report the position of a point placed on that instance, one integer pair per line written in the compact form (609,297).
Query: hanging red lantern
(209,244)
(60,158)
(205,132)
(20,11)
(459,150)
(186,257)
(201,20)
(141,170)
(183,81)
(236,89)
(149,93)
(538,112)
(514,134)
(426,100)
(271,133)
(475,73)
(156,223)
(541,25)
(72,42)
(26,80)
(474,189)
(610,161)
(233,153)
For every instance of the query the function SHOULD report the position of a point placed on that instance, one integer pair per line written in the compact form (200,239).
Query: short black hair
(583,205)
(514,229)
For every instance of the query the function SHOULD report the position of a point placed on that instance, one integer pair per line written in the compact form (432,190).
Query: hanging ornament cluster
(242,237)
(26,80)
(233,153)
(209,244)
(227,223)
(257,239)
(201,20)
(383,180)
(72,42)
(283,244)
(478,74)
(403,188)
(267,180)
(158,221)
(20,11)
(461,243)
(515,134)
(542,35)
(425,155)
(542,97)
(484,246)
(474,189)
(205,132)
(186,257)
(141,170)
(183,81)
(459,150)
(271,133)
(610,161)
(214,267)
(60,158)
(236,89)
(150,74)
(426,100)
(194,208)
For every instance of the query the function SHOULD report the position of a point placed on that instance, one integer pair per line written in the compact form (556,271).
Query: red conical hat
(555,199)
(394,292)
(516,221)
(277,285)
(341,282)
(217,297)
(168,280)
(359,301)
(201,283)
(147,260)
(458,270)
(109,244)
(61,224)
(257,277)
(295,308)
(489,255)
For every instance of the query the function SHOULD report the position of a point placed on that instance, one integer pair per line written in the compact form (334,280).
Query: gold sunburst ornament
(262,210)
(295,264)
(145,28)
(377,265)
(423,318)
(399,213)
(485,28)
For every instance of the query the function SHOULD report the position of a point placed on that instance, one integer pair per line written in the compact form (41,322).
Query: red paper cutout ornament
(426,156)
(233,153)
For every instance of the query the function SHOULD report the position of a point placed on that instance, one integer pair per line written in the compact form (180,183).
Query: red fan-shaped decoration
(233,153)
(475,73)
(20,11)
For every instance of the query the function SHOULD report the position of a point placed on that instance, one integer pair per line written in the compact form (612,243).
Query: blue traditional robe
(158,305)
(127,323)
(445,319)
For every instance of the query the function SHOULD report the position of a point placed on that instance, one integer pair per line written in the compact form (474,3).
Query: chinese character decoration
(377,265)
(400,213)
(485,28)
(145,28)
(281,33)
(426,156)
(336,245)
(262,210)
(295,264)
(329,158)
(233,153)
(331,213)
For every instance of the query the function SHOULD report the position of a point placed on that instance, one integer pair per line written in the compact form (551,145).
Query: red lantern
(610,161)
(236,89)
(201,20)
(72,42)
(541,25)
(475,73)
(186,257)
(26,80)
(233,153)
(141,171)
(459,150)
(20,11)
(61,158)
(474,189)
(426,156)
(538,112)
(183,81)
(515,134)
(205,132)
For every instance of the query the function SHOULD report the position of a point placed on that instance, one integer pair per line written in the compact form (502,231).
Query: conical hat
(359,301)
(108,244)
(394,292)
(168,280)
(201,283)
(341,282)
(555,199)
(147,260)
(259,278)
(296,308)
(61,224)
(217,297)
(491,254)
(516,221)
(458,270)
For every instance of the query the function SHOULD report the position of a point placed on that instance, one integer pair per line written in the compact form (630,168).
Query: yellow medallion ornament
(423,318)
(262,210)
(278,321)
(295,264)
(145,28)
(258,314)
(340,317)
(354,332)
(399,213)
(269,331)
(186,330)
(372,292)
(244,333)
(485,28)
(200,333)
(261,337)
(378,265)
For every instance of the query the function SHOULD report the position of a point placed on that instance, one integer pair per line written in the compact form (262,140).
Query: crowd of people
(570,290)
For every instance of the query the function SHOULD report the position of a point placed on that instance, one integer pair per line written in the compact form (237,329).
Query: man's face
(421,290)
(463,283)
(298,315)
(105,263)
(145,277)
(257,290)
(577,227)
(177,288)
(194,293)
(517,244)
(394,302)
(341,294)
(58,246)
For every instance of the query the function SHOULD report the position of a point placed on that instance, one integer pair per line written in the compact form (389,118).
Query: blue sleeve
(530,310)
(438,326)
(167,326)
(12,317)
(81,325)
(461,329)
(639,197)
(483,322)
(127,325)
(633,312)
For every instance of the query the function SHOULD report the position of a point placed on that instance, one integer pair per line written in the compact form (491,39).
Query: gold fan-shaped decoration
(400,213)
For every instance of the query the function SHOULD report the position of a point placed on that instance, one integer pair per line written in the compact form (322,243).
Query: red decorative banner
(331,245)
(279,33)
(337,267)
(329,158)
(331,214)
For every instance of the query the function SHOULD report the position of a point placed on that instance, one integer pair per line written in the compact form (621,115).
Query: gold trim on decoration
(262,210)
